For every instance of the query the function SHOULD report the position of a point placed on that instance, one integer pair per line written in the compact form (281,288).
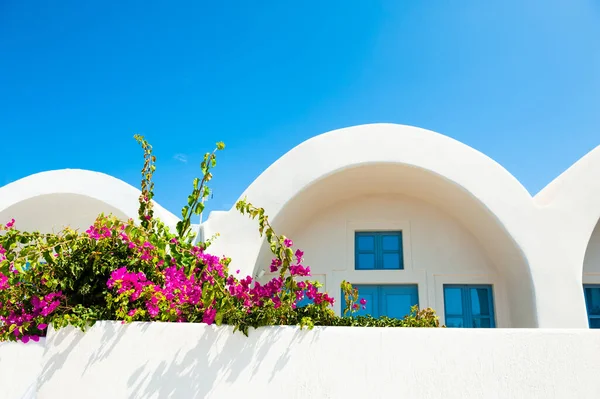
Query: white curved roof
(99,186)
(345,148)
(576,191)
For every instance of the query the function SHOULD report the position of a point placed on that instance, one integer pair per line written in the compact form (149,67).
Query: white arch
(342,149)
(77,183)
(469,174)
(575,194)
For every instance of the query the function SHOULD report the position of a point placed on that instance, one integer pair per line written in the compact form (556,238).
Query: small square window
(378,250)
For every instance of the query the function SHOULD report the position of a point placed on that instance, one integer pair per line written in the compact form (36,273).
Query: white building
(408,215)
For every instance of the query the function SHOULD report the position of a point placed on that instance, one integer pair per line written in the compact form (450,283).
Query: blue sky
(517,80)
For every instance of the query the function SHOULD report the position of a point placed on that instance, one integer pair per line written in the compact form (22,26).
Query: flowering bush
(120,270)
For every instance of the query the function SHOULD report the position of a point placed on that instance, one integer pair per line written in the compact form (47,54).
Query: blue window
(469,306)
(304,301)
(386,300)
(592,303)
(378,250)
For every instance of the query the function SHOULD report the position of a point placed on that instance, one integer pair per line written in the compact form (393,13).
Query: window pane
(480,302)
(368,292)
(592,300)
(454,322)
(305,301)
(368,307)
(397,300)
(482,323)
(366,261)
(391,261)
(390,242)
(365,242)
(595,323)
(453,301)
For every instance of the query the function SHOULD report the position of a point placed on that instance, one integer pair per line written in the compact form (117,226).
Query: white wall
(160,360)
(591,263)
(48,201)
(437,249)
(20,366)
(52,212)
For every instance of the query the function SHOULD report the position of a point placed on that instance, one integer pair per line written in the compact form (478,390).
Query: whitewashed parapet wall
(20,367)
(536,244)
(187,361)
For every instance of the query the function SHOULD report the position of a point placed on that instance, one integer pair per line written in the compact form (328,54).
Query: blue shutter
(370,293)
(592,304)
(390,250)
(365,251)
(469,306)
(396,300)
(481,307)
(386,300)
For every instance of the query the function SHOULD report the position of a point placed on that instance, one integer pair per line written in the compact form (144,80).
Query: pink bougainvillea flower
(288,243)
(3,282)
(275,264)
(42,326)
(363,301)
(10,224)
(299,270)
(209,315)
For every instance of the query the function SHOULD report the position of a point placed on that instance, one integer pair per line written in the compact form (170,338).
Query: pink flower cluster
(98,232)
(19,315)
(313,293)
(295,270)
(179,293)
(3,282)
(257,294)
(2,253)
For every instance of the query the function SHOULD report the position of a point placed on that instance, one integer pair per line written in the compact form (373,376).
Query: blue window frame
(386,300)
(592,304)
(469,306)
(378,250)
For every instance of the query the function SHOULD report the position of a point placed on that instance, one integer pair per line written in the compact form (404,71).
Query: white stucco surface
(591,263)
(20,366)
(48,201)
(437,249)
(188,361)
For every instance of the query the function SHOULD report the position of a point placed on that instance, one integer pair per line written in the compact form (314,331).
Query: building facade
(406,214)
